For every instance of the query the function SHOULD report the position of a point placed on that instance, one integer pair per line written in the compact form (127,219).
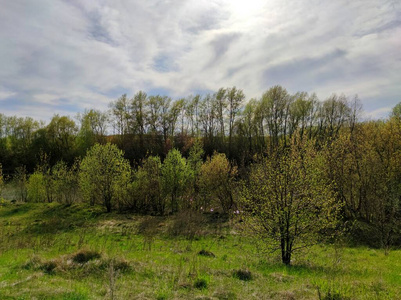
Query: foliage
(104,175)
(65,180)
(366,169)
(36,190)
(396,111)
(21,182)
(287,201)
(217,182)
(175,178)
(146,187)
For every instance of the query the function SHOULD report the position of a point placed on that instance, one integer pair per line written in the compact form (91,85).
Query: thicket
(290,165)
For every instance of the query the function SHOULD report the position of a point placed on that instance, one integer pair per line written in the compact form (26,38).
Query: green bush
(36,188)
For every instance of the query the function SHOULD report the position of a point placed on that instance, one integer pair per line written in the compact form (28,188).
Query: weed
(242,274)
(201,283)
(49,267)
(188,224)
(84,256)
(206,253)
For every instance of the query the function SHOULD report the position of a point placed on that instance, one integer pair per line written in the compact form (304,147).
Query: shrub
(201,283)
(49,267)
(84,256)
(241,274)
(36,187)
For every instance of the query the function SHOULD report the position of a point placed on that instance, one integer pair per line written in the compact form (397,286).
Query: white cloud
(86,52)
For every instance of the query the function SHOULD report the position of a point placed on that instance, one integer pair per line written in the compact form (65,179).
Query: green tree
(175,178)
(104,175)
(235,97)
(287,201)
(66,182)
(93,128)
(396,111)
(217,182)
(147,188)
(61,134)
(36,190)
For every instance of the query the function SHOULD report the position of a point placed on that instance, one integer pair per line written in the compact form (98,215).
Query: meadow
(56,251)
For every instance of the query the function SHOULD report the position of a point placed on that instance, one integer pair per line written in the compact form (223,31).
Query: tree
(66,182)
(287,201)
(235,97)
(175,177)
(120,113)
(36,190)
(147,187)
(217,182)
(275,106)
(93,128)
(104,174)
(396,111)
(61,133)
(138,108)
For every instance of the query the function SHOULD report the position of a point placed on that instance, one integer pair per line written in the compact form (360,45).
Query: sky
(64,56)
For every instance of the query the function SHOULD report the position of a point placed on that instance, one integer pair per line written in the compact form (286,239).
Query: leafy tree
(217,182)
(104,175)
(287,201)
(138,108)
(235,97)
(93,128)
(366,167)
(66,182)
(275,107)
(195,161)
(147,187)
(175,178)
(61,134)
(120,115)
(396,111)
(36,190)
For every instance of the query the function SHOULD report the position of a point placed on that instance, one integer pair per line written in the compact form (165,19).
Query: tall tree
(139,112)
(235,97)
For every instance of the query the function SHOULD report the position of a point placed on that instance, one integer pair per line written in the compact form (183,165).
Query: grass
(51,251)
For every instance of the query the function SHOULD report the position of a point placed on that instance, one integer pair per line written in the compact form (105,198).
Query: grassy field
(51,251)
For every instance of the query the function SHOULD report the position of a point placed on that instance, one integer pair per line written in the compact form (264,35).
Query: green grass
(135,257)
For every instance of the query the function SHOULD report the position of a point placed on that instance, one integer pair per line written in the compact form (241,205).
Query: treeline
(302,159)
(144,125)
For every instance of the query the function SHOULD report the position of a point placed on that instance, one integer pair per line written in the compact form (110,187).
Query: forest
(295,170)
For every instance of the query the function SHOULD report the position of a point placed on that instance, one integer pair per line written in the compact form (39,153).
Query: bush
(244,275)
(84,256)
(49,267)
(201,283)
(36,188)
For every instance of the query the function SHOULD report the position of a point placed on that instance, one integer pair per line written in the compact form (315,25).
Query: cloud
(64,56)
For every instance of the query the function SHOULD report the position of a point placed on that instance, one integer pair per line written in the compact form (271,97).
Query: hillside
(53,251)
